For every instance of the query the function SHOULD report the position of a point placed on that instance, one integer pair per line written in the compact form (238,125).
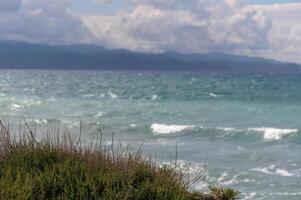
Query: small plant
(62,168)
(219,193)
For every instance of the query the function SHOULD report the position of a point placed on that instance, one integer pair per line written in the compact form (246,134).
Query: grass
(59,167)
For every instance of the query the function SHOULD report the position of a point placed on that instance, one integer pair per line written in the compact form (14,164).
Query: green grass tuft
(63,169)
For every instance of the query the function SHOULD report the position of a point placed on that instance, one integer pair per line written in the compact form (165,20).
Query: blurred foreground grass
(62,167)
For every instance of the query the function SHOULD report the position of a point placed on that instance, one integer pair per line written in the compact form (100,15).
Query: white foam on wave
(31,102)
(274,133)
(154,97)
(265,170)
(24,104)
(283,172)
(269,133)
(41,121)
(133,125)
(250,196)
(89,95)
(164,142)
(15,106)
(167,129)
(286,194)
(225,179)
(113,95)
(192,169)
(100,114)
(229,129)
(272,170)
(213,95)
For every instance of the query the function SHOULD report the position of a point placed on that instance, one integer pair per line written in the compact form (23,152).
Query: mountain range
(21,55)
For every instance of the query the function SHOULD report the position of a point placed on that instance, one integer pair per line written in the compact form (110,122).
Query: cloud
(203,25)
(9,5)
(46,21)
(194,26)
(171,4)
(284,36)
(162,25)
(103,1)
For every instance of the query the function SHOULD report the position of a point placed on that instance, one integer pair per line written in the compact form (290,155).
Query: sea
(243,129)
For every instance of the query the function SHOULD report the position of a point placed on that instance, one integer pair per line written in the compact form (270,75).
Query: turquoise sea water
(245,128)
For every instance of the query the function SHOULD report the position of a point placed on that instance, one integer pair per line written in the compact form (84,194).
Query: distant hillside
(19,55)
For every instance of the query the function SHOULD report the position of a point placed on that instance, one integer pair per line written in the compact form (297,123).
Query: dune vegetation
(61,167)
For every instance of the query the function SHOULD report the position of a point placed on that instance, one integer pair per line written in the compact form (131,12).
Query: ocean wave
(214,95)
(167,129)
(31,102)
(154,97)
(165,142)
(41,121)
(272,170)
(249,196)
(192,169)
(89,95)
(285,193)
(274,133)
(100,114)
(113,95)
(225,180)
(134,125)
(268,133)
(15,106)
(21,104)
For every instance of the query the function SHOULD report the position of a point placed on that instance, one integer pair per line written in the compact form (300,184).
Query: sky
(267,28)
